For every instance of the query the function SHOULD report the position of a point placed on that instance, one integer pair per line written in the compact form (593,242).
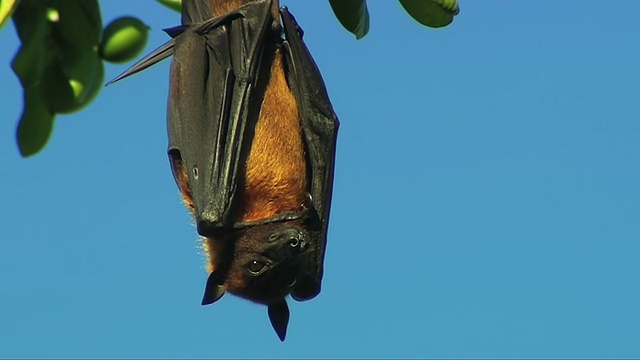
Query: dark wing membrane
(320,128)
(213,74)
(195,11)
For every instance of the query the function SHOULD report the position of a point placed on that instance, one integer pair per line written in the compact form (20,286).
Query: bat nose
(298,244)
(302,246)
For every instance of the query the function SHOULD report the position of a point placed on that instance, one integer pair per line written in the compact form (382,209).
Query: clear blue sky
(486,201)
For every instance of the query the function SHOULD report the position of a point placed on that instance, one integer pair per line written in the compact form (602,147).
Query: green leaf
(36,123)
(28,18)
(79,25)
(6,9)
(66,92)
(432,13)
(57,63)
(172,4)
(76,36)
(28,64)
(353,15)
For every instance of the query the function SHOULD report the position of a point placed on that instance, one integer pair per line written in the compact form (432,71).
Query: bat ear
(214,289)
(279,316)
(305,289)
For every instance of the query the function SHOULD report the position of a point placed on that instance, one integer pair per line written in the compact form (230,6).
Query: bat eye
(293,282)
(195,172)
(256,267)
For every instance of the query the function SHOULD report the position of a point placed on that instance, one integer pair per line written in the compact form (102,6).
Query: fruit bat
(252,139)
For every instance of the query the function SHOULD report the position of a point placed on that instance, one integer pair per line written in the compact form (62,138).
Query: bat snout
(292,237)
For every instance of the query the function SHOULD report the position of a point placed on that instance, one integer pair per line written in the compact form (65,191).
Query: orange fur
(183,184)
(275,172)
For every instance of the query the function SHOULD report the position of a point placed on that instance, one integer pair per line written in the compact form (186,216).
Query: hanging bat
(252,139)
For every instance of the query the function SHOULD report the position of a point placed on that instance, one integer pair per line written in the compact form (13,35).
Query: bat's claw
(285,12)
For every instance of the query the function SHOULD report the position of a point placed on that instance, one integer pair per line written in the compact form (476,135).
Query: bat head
(266,261)
(265,267)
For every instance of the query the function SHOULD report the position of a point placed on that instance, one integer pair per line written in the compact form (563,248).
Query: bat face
(266,262)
